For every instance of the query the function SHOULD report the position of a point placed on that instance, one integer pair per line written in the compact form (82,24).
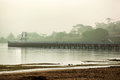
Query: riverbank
(53,66)
(108,73)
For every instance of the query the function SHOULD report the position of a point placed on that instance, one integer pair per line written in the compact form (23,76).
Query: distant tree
(108,20)
(80,32)
(109,26)
(10,37)
(101,25)
(98,34)
(33,36)
(3,40)
(58,36)
(117,28)
(80,28)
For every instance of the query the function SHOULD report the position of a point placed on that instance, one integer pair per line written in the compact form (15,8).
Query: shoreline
(51,69)
(54,66)
(106,73)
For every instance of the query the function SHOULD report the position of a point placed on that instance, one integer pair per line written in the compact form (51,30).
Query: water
(18,55)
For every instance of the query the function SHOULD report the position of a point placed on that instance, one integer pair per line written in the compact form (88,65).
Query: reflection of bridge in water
(66,45)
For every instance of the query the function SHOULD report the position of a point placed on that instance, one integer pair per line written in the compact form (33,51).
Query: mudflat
(108,73)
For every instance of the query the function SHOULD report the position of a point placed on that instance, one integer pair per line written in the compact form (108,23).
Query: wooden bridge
(65,45)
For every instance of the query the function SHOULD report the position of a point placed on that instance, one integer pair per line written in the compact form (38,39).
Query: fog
(46,16)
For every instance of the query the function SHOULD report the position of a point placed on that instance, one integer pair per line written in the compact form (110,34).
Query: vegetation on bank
(103,32)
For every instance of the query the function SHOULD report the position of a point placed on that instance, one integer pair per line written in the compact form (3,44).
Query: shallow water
(18,55)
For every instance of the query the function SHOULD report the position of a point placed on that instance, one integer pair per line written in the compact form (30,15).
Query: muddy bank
(28,66)
(110,73)
(46,66)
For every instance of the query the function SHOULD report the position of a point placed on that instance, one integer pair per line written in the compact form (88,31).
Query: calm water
(17,55)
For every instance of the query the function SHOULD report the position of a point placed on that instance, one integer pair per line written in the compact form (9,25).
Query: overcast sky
(45,16)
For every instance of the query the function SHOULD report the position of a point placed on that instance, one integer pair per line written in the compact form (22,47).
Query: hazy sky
(45,16)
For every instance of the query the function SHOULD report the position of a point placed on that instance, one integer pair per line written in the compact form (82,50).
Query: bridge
(65,45)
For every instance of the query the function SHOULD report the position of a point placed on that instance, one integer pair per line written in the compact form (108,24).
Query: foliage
(10,37)
(96,35)
(3,40)
(110,26)
(80,28)
(104,31)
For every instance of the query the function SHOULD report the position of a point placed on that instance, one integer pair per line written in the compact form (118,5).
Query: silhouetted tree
(10,37)
(98,34)
(3,40)
(80,28)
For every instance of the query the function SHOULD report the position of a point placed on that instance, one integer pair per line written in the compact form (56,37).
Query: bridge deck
(65,45)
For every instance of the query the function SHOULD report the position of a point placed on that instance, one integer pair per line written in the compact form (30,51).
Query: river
(20,55)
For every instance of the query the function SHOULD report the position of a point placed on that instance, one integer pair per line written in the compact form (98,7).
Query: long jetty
(65,45)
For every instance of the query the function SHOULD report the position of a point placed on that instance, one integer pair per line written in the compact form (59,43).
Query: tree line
(102,32)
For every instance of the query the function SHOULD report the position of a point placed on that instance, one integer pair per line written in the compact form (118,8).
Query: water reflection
(23,55)
(17,55)
(14,55)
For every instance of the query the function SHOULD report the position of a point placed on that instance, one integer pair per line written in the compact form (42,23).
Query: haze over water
(46,16)
(18,55)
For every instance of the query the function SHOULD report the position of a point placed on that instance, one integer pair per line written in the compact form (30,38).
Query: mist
(46,16)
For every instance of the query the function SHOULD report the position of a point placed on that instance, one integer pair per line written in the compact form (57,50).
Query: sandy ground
(110,73)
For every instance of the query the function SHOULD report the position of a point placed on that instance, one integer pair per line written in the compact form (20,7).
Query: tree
(59,36)
(33,36)
(111,27)
(97,35)
(80,28)
(108,20)
(101,25)
(3,40)
(117,23)
(10,37)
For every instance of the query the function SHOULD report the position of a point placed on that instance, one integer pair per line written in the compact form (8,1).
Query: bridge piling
(66,45)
